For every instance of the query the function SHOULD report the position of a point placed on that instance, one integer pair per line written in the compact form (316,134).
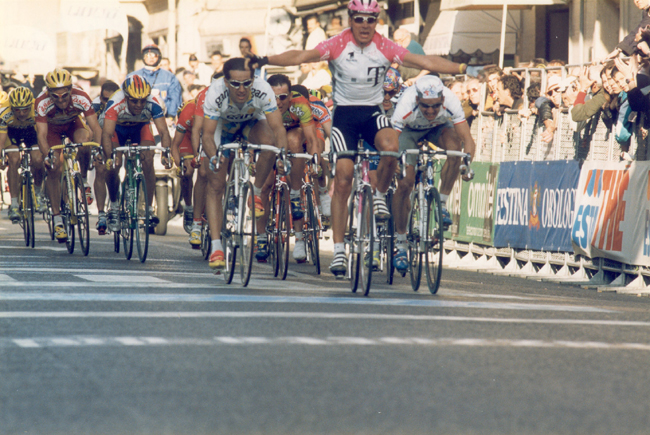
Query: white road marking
(123,278)
(81,341)
(4,278)
(303,315)
(340,300)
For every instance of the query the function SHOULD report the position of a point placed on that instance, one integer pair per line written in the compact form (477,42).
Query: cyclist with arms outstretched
(238,104)
(127,117)
(359,58)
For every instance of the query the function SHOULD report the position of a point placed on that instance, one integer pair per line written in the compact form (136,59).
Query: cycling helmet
(363,7)
(21,97)
(59,78)
(136,87)
(155,49)
(316,93)
(391,80)
(3,97)
(429,87)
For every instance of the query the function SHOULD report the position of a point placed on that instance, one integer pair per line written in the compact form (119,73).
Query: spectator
(108,88)
(165,64)
(591,95)
(194,90)
(316,34)
(569,88)
(409,75)
(471,105)
(509,92)
(457,86)
(629,44)
(554,67)
(202,72)
(216,62)
(335,27)
(493,74)
(188,78)
(163,83)
(548,107)
(317,77)
(532,94)
(245,47)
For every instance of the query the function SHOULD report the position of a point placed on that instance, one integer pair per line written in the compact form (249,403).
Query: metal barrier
(514,138)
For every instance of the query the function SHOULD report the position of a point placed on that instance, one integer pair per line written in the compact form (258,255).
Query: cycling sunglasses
(282,97)
(360,19)
(429,106)
(236,83)
(59,96)
(137,100)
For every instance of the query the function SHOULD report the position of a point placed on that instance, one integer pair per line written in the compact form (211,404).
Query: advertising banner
(612,217)
(535,205)
(471,205)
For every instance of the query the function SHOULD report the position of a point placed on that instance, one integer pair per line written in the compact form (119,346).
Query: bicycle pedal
(196,246)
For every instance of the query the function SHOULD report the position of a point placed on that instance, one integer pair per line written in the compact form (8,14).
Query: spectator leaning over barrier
(509,93)
(591,95)
(569,87)
(629,44)
(548,107)
(457,86)
(492,74)
(532,94)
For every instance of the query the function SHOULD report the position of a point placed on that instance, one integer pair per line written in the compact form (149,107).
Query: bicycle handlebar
(362,153)
(464,168)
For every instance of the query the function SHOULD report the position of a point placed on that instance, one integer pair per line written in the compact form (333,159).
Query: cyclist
(238,104)
(99,105)
(323,119)
(202,177)
(181,147)
(358,58)
(17,122)
(427,111)
(165,86)
(300,127)
(128,115)
(58,112)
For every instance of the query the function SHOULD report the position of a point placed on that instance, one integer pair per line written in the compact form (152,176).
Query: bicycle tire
(141,218)
(413,238)
(434,251)
(28,212)
(312,232)
(247,233)
(116,241)
(272,231)
(284,232)
(66,211)
(366,240)
(228,230)
(389,239)
(125,220)
(47,215)
(353,263)
(81,204)
(206,241)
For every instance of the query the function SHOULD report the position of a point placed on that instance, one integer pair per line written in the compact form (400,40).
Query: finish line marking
(161,297)
(93,341)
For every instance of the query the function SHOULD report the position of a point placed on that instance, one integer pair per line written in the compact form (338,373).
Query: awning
(469,31)
(457,5)
(230,22)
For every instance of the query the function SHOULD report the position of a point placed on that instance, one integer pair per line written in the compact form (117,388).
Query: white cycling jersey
(358,73)
(408,115)
(218,105)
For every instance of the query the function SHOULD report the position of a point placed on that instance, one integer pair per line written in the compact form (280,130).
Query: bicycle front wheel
(206,241)
(312,232)
(352,238)
(81,212)
(141,218)
(413,238)
(284,232)
(366,239)
(28,211)
(388,244)
(247,232)
(67,198)
(228,230)
(434,241)
(125,219)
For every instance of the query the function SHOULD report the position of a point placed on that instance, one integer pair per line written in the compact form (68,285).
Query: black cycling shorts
(352,122)
(22,134)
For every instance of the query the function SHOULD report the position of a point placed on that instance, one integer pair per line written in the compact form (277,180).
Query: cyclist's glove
(213,163)
(49,161)
(473,70)
(258,61)
(195,162)
(109,164)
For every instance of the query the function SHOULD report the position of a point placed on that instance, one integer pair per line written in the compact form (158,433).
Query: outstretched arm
(433,63)
(294,57)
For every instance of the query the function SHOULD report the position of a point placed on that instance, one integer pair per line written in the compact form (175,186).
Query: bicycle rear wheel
(353,259)
(389,239)
(116,241)
(413,238)
(228,229)
(434,240)
(28,211)
(141,219)
(66,211)
(283,239)
(47,215)
(312,232)
(81,212)
(272,231)
(206,241)
(125,219)
(366,239)
(247,233)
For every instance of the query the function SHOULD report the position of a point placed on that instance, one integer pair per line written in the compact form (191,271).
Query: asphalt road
(102,345)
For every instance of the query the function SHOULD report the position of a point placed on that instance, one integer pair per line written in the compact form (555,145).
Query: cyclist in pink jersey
(359,58)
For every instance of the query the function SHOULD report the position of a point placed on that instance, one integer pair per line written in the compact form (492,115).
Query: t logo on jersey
(351,55)
(380,72)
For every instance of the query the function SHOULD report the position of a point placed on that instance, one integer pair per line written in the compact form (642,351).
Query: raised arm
(434,64)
